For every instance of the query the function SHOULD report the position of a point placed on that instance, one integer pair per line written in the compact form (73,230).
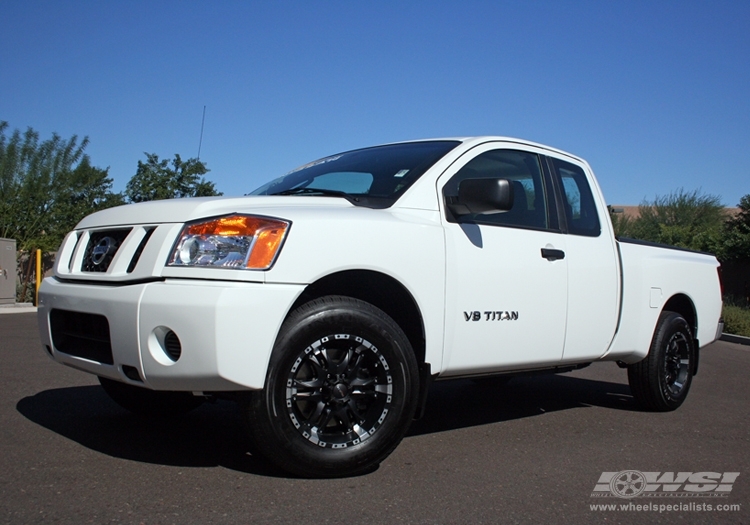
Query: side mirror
(482,196)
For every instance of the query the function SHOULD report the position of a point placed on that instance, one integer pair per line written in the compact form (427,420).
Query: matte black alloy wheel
(661,381)
(339,391)
(676,364)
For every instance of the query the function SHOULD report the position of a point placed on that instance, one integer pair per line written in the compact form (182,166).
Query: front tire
(661,381)
(341,390)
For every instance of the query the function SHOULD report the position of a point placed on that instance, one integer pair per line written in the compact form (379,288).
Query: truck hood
(184,210)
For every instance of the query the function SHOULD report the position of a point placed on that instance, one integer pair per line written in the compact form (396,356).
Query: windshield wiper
(317,191)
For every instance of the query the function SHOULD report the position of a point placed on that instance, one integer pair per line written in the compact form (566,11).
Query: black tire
(661,381)
(150,403)
(341,390)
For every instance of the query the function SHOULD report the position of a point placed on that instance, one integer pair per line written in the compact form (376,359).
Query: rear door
(593,265)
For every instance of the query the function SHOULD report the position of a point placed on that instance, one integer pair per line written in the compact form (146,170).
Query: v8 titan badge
(491,315)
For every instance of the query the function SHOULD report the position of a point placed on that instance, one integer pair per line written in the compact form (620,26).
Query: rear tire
(150,403)
(661,381)
(341,390)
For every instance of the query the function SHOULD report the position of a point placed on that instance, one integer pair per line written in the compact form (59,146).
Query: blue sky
(654,94)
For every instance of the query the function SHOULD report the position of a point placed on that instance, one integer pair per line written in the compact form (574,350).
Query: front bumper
(226,330)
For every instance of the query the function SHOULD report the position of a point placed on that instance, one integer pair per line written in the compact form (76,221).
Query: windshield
(372,177)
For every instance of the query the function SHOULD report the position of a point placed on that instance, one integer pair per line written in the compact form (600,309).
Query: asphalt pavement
(530,452)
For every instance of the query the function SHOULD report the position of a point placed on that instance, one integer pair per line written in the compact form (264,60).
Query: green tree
(621,223)
(682,218)
(88,190)
(46,187)
(156,179)
(736,238)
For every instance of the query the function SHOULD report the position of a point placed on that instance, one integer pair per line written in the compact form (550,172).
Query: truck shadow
(465,403)
(213,435)
(209,436)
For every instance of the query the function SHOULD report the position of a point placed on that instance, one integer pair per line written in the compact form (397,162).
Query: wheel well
(381,291)
(682,305)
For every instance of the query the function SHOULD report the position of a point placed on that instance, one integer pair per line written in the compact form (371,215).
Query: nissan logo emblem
(103,248)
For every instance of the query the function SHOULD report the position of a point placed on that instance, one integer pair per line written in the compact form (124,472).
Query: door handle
(552,255)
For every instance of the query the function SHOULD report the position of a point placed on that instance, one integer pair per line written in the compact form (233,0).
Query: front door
(506,279)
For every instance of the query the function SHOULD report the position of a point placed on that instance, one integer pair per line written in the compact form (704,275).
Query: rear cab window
(577,199)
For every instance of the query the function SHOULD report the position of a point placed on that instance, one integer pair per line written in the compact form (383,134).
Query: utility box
(7,271)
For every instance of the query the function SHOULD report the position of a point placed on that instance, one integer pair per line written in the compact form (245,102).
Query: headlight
(236,241)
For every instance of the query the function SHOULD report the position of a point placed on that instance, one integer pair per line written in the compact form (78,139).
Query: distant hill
(633,213)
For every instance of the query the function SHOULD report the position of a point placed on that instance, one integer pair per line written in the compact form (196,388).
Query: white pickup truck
(328,300)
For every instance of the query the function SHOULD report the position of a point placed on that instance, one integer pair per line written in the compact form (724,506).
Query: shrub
(736,320)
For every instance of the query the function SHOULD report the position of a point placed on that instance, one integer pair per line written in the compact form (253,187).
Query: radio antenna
(200,142)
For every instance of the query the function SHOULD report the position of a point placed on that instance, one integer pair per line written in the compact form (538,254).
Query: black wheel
(150,403)
(341,390)
(660,382)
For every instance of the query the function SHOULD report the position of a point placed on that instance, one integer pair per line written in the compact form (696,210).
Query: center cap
(340,391)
